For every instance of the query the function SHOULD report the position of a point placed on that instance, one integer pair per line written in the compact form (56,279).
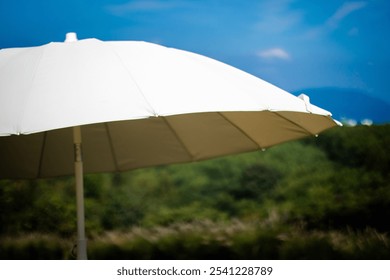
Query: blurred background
(320,198)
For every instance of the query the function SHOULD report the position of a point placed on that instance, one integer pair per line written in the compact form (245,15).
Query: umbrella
(85,106)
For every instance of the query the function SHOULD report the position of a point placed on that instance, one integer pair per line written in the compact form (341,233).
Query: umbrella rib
(294,123)
(178,138)
(112,147)
(241,130)
(39,173)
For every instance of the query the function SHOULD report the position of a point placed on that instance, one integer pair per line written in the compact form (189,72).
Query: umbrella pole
(78,167)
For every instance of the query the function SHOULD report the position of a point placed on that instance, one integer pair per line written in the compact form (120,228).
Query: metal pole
(78,168)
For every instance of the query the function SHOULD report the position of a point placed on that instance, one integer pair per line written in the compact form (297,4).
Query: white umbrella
(137,104)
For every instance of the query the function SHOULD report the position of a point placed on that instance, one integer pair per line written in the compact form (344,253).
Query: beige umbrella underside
(125,145)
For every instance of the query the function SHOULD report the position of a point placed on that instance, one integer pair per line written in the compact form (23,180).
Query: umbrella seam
(178,138)
(260,147)
(112,147)
(294,123)
(132,78)
(22,114)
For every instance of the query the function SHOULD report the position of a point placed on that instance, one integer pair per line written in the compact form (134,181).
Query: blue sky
(293,44)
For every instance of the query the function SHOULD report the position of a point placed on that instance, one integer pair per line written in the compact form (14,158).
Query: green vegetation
(318,198)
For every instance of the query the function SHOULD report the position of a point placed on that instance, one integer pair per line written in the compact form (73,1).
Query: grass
(208,240)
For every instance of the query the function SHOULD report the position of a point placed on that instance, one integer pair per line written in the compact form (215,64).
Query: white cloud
(278,16)
(342,12)
(333,22)
(274,53)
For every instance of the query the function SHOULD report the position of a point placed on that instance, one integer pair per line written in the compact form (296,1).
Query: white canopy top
(61,85)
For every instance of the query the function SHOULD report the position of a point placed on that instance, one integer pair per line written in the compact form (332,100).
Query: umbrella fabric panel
(313,123)
(17,68)
(185,82)
(62,85)
(37,155)
(20,156)
(268,128)
(144,143)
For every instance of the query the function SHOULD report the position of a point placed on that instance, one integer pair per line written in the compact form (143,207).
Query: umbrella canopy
(188,107)
(139,104)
